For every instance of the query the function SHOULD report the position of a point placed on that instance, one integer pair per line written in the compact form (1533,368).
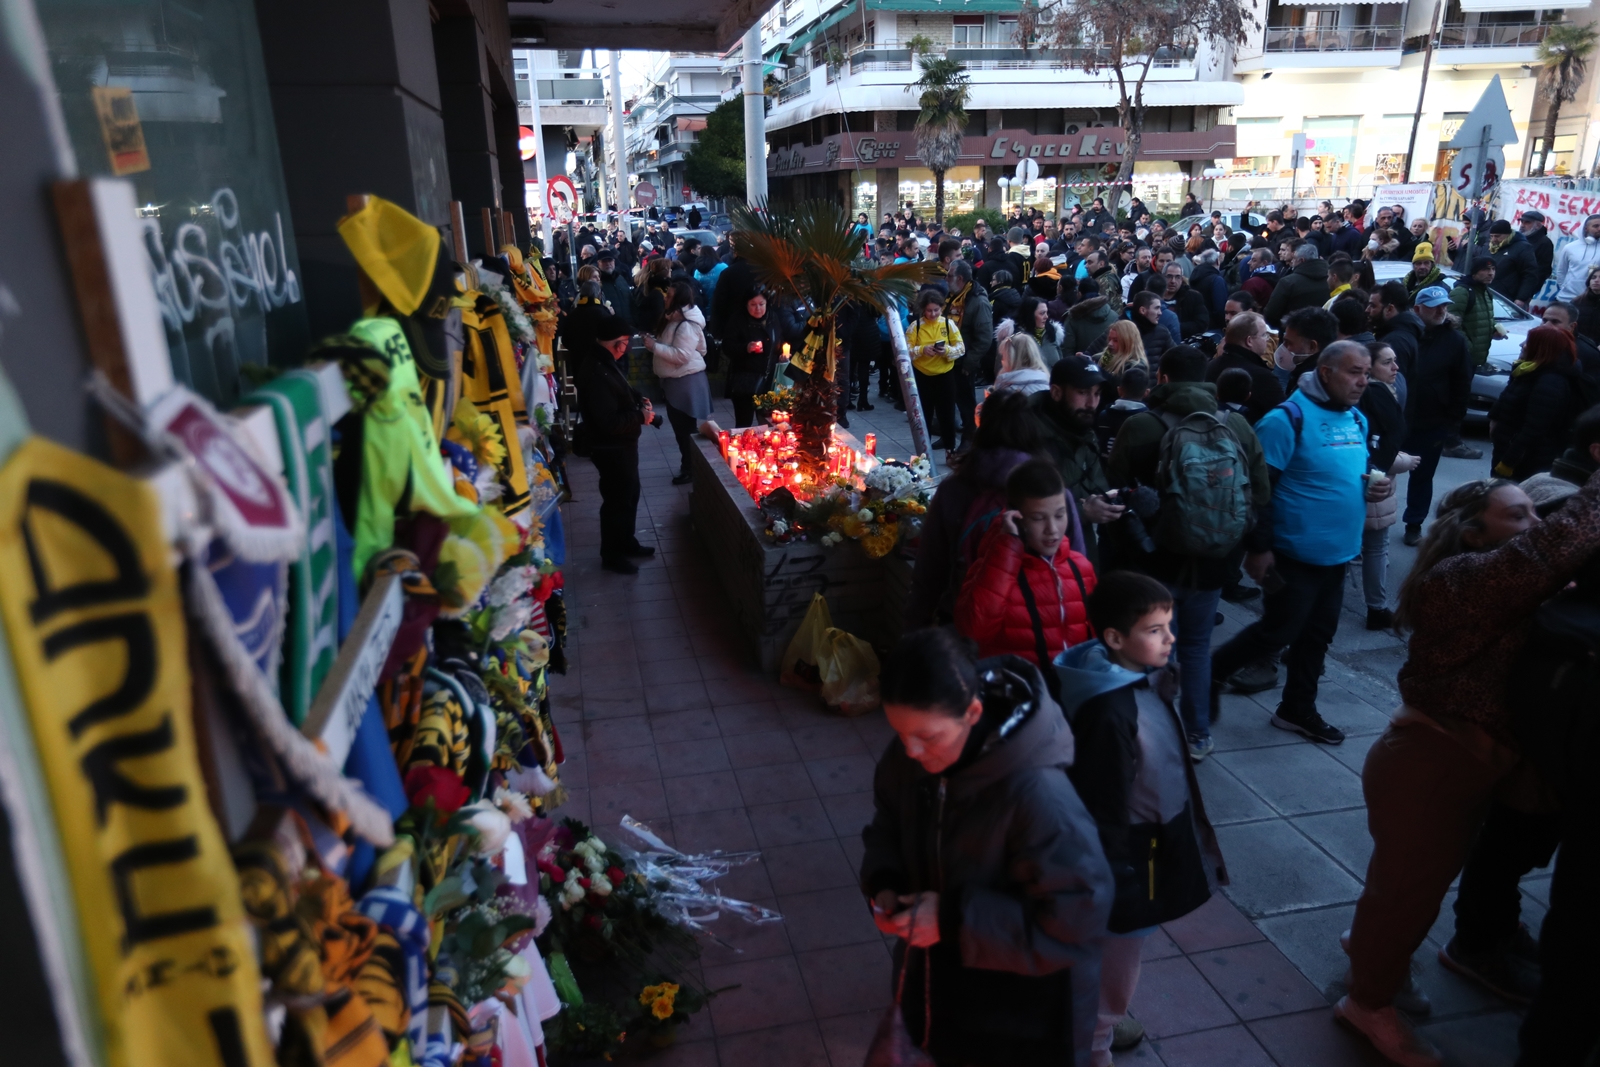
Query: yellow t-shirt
(924,333)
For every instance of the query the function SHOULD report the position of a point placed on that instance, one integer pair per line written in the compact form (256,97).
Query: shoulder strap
(1040,649)
(1083,592)
(1297,419)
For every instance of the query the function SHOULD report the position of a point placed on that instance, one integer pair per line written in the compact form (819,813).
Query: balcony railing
(1350,39)
(1001,57)
(1494,35)
(795,88)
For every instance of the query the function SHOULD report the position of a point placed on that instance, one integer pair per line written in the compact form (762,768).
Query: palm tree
(1563,60)
(943,120)
(809,254)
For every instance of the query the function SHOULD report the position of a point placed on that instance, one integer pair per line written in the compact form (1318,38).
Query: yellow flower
(662,1008)
(655,997)
(882,542)
(478,434)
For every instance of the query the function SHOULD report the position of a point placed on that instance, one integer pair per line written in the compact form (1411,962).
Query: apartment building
(665,119)
(841,116)
(1348,75)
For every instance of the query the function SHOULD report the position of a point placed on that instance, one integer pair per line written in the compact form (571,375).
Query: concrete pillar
(619,143)
(469,123)
(755,118)
(355,98)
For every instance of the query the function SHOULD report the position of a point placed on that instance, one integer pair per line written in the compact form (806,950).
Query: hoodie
(1572,265)
(680,350)
(1134,774)
(1024,891)
(1304,287)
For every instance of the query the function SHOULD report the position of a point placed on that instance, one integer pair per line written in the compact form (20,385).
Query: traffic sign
(1490,111)
(644,194)
(1027,170)
(1299,145)
(1472,185)
(561,198)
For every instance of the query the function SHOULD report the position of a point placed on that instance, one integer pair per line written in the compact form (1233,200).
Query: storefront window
(187,81)
(865,198)
(963,189)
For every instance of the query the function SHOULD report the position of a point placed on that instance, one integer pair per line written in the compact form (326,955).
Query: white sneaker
(1391,1033)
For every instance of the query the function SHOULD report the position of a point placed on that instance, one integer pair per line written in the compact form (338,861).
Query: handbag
(892,1045)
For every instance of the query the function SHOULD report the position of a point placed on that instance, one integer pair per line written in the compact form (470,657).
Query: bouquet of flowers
(889,507)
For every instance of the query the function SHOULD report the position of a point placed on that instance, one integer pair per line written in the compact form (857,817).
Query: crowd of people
(1138,421)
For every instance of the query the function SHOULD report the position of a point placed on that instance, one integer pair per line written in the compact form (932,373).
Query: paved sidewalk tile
(663,718)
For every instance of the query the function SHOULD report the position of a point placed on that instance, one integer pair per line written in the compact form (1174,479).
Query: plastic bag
(799,666)
(849,670)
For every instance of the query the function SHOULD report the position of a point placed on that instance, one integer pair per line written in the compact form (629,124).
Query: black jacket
(1438,381)
(619,294)
(1533,418)
(610,406)
(1386,425)
(1516,270)
(731,294)
(1024,890)
(1403,333)
(1156,337)
(1266,392)
(1162,871)
(1005,303)
(1194,317)
(1213,289)
(1304,287)
(1544,251)
(746,369)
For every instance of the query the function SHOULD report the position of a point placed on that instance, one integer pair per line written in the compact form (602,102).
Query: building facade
(842,111)
(1349,76)
(665,119)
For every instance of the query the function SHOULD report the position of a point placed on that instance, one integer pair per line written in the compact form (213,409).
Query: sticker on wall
(119,125)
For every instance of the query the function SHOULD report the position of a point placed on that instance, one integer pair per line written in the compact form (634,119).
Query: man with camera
(1155,453)
(1065,415)
(613,415)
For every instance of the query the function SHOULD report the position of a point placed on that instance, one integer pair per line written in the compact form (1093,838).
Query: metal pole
(908,385)
(755,119)
(619,144)
(538,158)
(1476,189)
(1422,91)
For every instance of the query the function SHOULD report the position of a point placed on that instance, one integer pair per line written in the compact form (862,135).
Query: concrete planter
(770,586)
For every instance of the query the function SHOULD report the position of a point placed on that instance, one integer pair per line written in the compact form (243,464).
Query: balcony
(1494,35)
(1351,39)
(795,88)
(1001,57)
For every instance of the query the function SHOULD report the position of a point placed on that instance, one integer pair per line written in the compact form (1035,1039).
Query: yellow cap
(1424,250)
(397,250)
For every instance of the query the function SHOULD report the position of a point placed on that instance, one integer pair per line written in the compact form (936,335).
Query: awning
(947,6)
(692,124)
(1323,3)
(799,44)
(1512,5)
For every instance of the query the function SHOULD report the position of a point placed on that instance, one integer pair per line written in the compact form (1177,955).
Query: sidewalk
(662,718)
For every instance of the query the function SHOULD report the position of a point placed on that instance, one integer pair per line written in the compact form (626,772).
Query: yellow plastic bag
(849,670)
(799,666)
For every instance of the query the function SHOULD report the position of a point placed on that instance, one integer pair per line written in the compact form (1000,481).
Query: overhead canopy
(1321,3)
(656,25)
(947,6)
(799,44)
(691,124)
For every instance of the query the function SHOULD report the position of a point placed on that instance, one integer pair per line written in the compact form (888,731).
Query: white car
(1490,381)
(1250,222)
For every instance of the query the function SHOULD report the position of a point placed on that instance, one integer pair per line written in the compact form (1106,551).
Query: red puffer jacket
(993,611)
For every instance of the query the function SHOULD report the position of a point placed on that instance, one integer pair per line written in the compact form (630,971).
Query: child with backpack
(1233,390)
(1133,772)
(1025,593)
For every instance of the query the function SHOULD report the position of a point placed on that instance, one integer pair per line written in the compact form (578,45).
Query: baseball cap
(606,253)
(1076,372)
(1432,297)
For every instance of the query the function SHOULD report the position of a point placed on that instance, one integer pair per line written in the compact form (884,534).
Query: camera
(1142,503)
(656,421)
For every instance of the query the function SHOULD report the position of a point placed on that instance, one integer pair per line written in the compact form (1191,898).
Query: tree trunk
(1550,118)
(938,198)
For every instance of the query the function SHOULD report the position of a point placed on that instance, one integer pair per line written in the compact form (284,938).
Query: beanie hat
(1424,251)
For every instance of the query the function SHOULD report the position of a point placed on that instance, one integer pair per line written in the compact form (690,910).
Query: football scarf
(311,640)
(489,380)
(95,626)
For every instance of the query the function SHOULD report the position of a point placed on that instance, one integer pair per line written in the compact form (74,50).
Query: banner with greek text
(95,627)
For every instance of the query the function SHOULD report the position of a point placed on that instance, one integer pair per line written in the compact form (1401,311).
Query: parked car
(1249,222)
(1491,379)
(705,237)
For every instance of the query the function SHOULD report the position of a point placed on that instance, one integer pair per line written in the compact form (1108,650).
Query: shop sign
(1094,146)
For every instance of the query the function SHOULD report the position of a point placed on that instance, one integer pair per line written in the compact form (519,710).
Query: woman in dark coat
(1532,420)
(983,861)
(1384,404)
(750,341)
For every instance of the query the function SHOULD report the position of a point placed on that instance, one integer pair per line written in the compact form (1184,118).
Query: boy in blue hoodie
(1135,776)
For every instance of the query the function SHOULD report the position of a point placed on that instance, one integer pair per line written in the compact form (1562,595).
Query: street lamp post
(1005,194)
